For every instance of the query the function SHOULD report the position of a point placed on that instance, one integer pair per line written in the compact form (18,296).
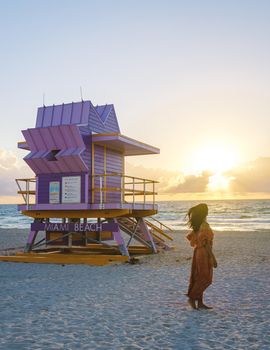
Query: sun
(216,159)
(219,182)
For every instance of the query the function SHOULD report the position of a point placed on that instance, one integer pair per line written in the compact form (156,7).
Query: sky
(189,77)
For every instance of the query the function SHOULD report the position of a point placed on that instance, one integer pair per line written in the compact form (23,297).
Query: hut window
(52,155)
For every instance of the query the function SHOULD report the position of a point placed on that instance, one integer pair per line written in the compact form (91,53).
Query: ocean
(231,215)
(224,215)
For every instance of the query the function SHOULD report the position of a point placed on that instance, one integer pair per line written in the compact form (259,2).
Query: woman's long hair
(196,215)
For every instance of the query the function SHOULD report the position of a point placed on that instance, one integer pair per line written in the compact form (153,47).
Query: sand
(139,306)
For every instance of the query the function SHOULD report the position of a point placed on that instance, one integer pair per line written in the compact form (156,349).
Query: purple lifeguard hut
(88,209)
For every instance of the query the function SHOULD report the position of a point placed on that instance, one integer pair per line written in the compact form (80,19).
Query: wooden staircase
(132,227)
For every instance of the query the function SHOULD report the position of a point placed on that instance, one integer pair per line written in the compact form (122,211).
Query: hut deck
(84,213)
(63,259)
(92,254)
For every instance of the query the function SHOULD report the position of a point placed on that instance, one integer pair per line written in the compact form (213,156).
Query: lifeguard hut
(88,209)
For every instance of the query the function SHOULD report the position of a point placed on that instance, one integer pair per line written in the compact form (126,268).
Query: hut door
(98,168)
(114,165)
(105,162)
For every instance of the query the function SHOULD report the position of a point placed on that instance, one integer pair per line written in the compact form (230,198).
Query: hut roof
(98,119)
(103,111)
(124,144)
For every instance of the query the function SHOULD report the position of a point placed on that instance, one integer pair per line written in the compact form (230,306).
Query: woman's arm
(211,254)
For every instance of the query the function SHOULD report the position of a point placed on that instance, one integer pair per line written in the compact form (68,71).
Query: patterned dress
(202,265)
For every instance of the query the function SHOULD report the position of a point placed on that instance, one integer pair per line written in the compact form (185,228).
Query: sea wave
(231,215)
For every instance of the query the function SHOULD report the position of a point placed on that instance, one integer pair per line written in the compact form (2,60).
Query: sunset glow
(219,182)
(216,159)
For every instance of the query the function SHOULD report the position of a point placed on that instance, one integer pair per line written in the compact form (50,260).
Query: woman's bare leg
(192,303)
(201,305)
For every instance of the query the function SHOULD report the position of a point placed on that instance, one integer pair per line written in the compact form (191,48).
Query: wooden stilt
(120,240)
(147,233)
(30,241)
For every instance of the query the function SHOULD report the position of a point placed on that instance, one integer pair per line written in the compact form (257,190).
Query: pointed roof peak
(103,111)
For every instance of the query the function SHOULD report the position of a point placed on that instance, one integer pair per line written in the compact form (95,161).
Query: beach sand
(140,306)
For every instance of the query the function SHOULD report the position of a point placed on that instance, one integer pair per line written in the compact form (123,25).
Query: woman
(201,239)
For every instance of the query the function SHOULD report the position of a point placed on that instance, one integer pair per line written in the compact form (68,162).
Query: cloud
(172,182)
(166,178)
(10,169)
(192,184)
(7,159)
(251,177)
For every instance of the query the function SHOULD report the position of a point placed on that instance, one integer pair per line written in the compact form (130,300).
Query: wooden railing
(161,225)
(27,188)
(106,188)
(128,188)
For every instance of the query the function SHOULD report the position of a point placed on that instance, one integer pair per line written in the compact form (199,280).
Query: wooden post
(85,232)
(124,178)
(133,189)
(93,172)
(36,189)
(144,193)
(99,232)
(122,188)
(86,188)
(27,194)
(153,195)
(105,177)
(100,192)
